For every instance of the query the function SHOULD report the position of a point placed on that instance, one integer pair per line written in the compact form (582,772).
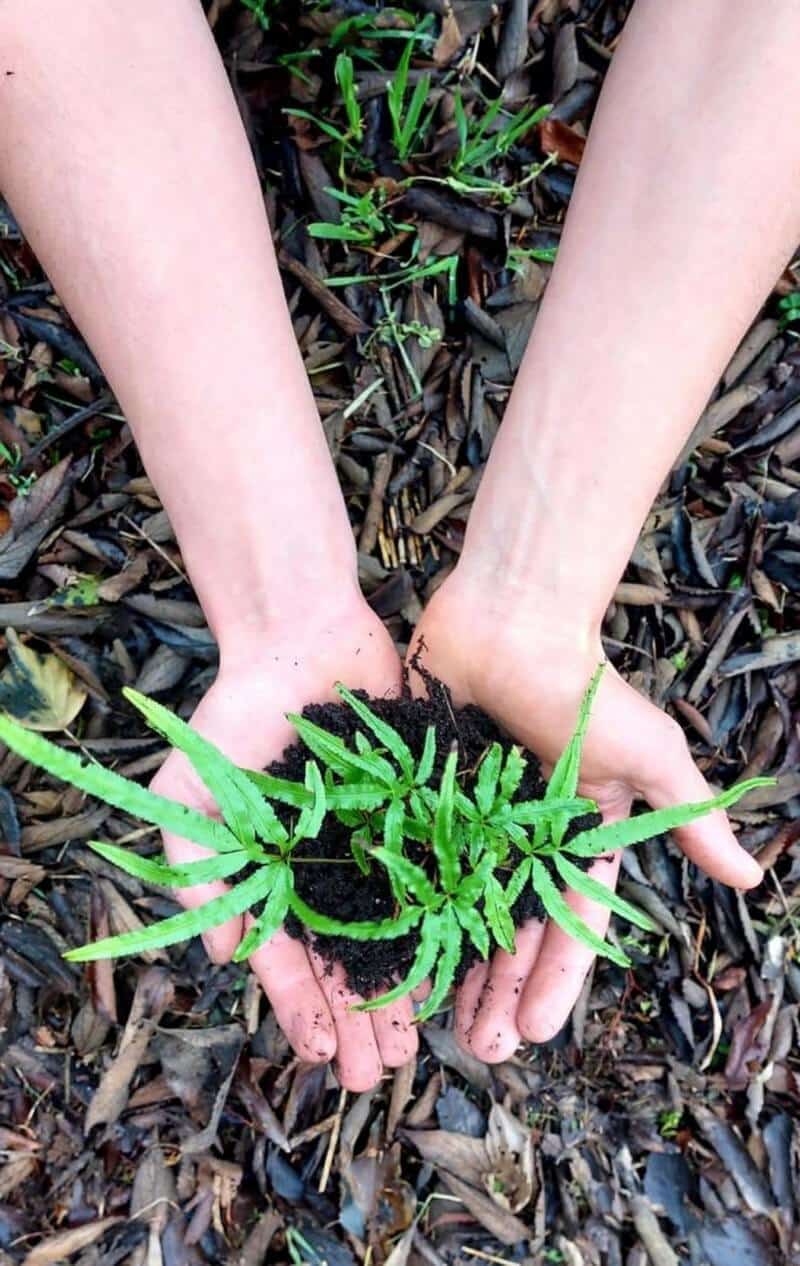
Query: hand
(529,672)
(243,713)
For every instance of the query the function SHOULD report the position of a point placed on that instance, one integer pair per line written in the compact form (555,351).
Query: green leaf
(474,926)
(221,866)
(444,843)
(366,796)
(425,766)
(388,736)
(496,909)
(337,755)
(181,926)
(281,789)
(120,792)
(424,959)
(587,886)
(411,876)
(272,916)
(377,930)
(243,809)
(450,940)
(561,913)
(529,812)
(312,817)
(471,887)
(393,825)
(616,835)
(518,881)
(512,773)
(357,848)
(488,774)
(563,781)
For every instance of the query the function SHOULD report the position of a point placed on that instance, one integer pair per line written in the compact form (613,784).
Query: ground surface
(154,1113)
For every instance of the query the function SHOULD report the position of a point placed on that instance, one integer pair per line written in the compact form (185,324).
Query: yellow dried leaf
(39,691)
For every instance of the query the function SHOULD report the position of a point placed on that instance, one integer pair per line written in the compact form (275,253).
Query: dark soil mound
(342,891)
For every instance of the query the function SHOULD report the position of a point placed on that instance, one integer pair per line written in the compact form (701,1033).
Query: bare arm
(123,155)
(686,208)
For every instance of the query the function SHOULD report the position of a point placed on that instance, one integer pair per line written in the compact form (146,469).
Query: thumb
(710,841)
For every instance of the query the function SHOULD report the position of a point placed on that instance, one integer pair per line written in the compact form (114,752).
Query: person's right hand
(244,715)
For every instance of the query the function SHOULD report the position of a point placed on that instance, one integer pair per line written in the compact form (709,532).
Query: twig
(69,424)
(332,1141)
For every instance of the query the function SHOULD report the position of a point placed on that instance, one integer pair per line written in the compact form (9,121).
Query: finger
(358,1060)
(468,999)
(283,968)
(554,984)
(177,780)
(494,1035)
(220,941)
(421,992)
(710,841)
(396,1033)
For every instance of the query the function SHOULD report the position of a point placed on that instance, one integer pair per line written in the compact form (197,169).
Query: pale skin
(128,168)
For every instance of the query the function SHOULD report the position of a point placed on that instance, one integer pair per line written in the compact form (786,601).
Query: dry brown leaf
(154,993)
(58,1247)
(511,1178)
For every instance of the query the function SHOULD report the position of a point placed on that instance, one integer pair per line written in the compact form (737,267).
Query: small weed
(669,1123)
(22,484)
(789,308)
(363,220)
(474,853)
(390,329)
(517,256)
(409,119)
(348,141)
(483,140)
(389,24)
(446,265)
(259,10)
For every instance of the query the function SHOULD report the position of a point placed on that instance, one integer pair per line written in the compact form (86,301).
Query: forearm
(123,156)
(686,208)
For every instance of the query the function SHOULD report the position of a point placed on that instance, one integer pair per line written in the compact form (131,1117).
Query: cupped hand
(244,715)
(529,672)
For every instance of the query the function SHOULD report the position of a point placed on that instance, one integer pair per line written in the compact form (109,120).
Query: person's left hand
(528,668)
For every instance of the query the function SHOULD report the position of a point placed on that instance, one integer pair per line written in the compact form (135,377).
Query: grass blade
(424,959)
(221,866)
(561,913)
(616,835)
(386,734)
(451,938)
(444,843)
(243,809)
(377,930)
(181,926)
(272,916)
(120,792)
(587,886)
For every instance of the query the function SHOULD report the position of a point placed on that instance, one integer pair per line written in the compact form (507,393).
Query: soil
(342,891)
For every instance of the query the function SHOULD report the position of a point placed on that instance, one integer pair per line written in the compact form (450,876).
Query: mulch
(151,1111)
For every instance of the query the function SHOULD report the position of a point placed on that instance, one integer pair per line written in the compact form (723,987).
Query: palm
(530,679)
(244,715)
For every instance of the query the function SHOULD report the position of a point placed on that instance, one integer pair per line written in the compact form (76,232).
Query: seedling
(789,308)
(348,140)
(363,219)
(483,140)
(457,848)
(409,119)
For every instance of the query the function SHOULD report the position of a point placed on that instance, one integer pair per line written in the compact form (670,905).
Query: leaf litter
(662,1121)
